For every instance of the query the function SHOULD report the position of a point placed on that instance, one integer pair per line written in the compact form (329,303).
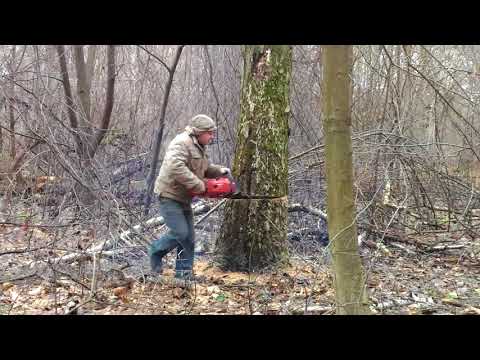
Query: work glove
(225,171)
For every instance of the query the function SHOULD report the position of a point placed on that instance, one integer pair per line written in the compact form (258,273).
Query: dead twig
(21,251)
(444,247)
(39,225)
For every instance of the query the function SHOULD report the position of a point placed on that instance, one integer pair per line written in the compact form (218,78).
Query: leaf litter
(398,282)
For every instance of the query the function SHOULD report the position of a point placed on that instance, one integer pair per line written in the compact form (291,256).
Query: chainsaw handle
(217,187)
(193,193)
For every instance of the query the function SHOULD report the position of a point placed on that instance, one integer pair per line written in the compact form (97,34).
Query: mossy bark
(348,271)
(253,233)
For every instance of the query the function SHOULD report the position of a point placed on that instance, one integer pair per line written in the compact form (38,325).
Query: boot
(156,263)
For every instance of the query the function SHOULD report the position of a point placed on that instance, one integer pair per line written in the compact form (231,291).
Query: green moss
(263,128)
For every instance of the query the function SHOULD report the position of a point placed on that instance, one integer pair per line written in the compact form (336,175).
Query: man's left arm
(215,171)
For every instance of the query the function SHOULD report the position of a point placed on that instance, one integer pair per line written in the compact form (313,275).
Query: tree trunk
(88,137)
(11,107)
(83,84)
(1,135)
(68,97)
(11,113)
(349,278)
(109,99)
(254,232)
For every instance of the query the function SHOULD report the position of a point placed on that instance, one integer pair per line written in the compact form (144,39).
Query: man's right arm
(179,170)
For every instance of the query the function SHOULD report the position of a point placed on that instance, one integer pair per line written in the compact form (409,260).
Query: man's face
(206,137)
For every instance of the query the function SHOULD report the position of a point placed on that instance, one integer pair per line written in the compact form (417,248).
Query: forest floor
(400,280)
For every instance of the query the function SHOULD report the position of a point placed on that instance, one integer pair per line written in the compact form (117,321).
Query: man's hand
(225,171)
(202,192)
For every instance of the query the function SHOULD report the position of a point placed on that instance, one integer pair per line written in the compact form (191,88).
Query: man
(181,176)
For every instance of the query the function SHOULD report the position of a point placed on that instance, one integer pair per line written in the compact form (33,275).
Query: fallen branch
(312,310)
(317,212)
(74,309)
(18,278)
(21,251)
(172,281)
(211,211)
(125,236)
(392,303)
(401,247)
(304,232)
(39,225)
(445,247)
(310,210)
(198,209)
(377,246)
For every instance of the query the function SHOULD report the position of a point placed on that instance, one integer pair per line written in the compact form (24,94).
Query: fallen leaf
(39,233)
(232,303)
(179,293)
(422,298)
(7,285)
(452,295)
(41,303)
(14,294)
(213,289)
(275,306)
(450,301)
(120,291)
(36,291)
(470,310)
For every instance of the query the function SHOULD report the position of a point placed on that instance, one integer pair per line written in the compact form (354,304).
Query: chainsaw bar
(240,195)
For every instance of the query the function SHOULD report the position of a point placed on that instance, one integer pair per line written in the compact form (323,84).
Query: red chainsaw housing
(218,187)
(215,188)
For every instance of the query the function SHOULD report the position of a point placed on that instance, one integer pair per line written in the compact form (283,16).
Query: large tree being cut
(253,233)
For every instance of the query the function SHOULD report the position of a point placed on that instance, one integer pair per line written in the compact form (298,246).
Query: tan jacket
(184,168)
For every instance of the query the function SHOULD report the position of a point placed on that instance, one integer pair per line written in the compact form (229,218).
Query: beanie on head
(201,123)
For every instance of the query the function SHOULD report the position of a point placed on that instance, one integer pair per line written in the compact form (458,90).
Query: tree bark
(107,112)
(11,114)
(349,277)
(1,136)
(254,232)
(68,96)
(88,137)
(83,88)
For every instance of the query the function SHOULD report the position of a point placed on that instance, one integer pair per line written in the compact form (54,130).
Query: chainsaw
(226,187)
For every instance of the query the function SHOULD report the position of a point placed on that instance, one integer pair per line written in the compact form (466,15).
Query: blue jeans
(179,220)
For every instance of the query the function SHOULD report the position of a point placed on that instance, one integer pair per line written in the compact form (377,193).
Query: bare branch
(156,58)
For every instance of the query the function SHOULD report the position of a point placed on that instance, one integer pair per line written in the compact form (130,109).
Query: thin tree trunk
(158,139)
(1,137)
(107,112)
(11,107)
(337,93)
(68,96)
(143,72)
(91,57)
(83,87)
(11,114)
(88,143)
(87,136)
